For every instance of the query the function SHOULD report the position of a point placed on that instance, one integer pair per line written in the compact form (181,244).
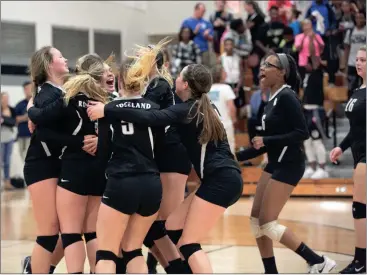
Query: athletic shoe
(354,267)
(325,267)
(26,265)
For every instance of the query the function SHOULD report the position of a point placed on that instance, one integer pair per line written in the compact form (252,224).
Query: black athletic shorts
(83,177)
(359,154)
(134,193)
(173,159)
(223,187)
(42,169)
(289,173)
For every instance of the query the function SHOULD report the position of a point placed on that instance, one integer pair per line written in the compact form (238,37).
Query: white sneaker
(320,174)
(308,172)
(324,267)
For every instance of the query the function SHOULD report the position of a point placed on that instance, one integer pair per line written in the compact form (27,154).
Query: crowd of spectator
(323,38)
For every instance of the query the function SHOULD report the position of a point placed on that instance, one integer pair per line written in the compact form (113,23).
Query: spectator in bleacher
(254,20)
(203,31)
(24,136)
(271,33)
(220,20)
(285,9)
(354,39)
(233,67)
(314,146)
(347,19)
(322,16)
(323,19)
(241,37)
(223,97)
(8,120)
(295,24)
(258,102)
(287,44)
(184,53)
(310,47)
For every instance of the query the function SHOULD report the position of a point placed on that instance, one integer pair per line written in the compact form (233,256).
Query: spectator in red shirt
(285,9)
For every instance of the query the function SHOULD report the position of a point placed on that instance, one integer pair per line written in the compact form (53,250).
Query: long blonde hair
(143,62)
(89,71)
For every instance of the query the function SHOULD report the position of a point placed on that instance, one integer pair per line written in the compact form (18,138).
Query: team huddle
(107,172)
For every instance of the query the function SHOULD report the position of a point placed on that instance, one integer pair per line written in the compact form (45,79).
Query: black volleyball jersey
(132,143)
(160,92)
(41,146)
(355,111)
(74,122)
(205,158)
(284,129)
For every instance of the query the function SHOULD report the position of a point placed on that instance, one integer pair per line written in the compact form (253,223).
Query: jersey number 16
(127,128)
(350,105)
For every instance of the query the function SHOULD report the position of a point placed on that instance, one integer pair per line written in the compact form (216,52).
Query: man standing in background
(24,136)
(203,31)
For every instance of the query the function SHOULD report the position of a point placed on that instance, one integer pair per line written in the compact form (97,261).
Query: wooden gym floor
(325,224)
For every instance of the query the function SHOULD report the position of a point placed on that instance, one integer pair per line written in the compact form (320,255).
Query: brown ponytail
(200,81)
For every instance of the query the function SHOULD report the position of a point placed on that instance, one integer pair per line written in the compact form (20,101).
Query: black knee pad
(70,238)
(359,210)
(105,255)
(175,235)
(188,249)
(156,231)
(48,242)
(127,256)
(90,236)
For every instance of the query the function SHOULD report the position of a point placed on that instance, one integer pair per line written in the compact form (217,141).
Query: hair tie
(284,63)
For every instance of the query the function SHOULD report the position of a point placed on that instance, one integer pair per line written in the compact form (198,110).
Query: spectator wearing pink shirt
(307,50)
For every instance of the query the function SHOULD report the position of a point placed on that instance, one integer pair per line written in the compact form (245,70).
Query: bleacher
(339,184)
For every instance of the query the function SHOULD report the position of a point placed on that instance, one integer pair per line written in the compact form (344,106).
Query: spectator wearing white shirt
(233,67)
(223,97)
(354,39)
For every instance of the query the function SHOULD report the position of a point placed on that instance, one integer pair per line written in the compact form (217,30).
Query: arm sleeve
(174,114)
(104,140)
(47,114)
(9,121)
(250,153)
(229,94)
(298,40)
(296,119)
(345,144)
(319,39)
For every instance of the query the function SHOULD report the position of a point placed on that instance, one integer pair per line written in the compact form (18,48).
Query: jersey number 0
(127,128)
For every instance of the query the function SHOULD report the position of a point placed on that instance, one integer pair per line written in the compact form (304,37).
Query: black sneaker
(26,265)
(354,267)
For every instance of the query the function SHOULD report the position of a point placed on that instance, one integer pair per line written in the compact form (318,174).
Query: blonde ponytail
(86,84)
(90,69)
(137,75)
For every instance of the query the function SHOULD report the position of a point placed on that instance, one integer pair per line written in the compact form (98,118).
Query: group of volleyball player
(112,170)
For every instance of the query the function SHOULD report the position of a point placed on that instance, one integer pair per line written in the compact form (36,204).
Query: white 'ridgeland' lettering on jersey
(82,104)
(135,105)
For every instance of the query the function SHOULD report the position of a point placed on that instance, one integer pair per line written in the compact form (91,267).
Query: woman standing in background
(7,137)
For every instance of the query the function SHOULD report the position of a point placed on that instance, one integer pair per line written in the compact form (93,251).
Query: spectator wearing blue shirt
(203,31)
(322,16)
(24,136)
(295,24)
